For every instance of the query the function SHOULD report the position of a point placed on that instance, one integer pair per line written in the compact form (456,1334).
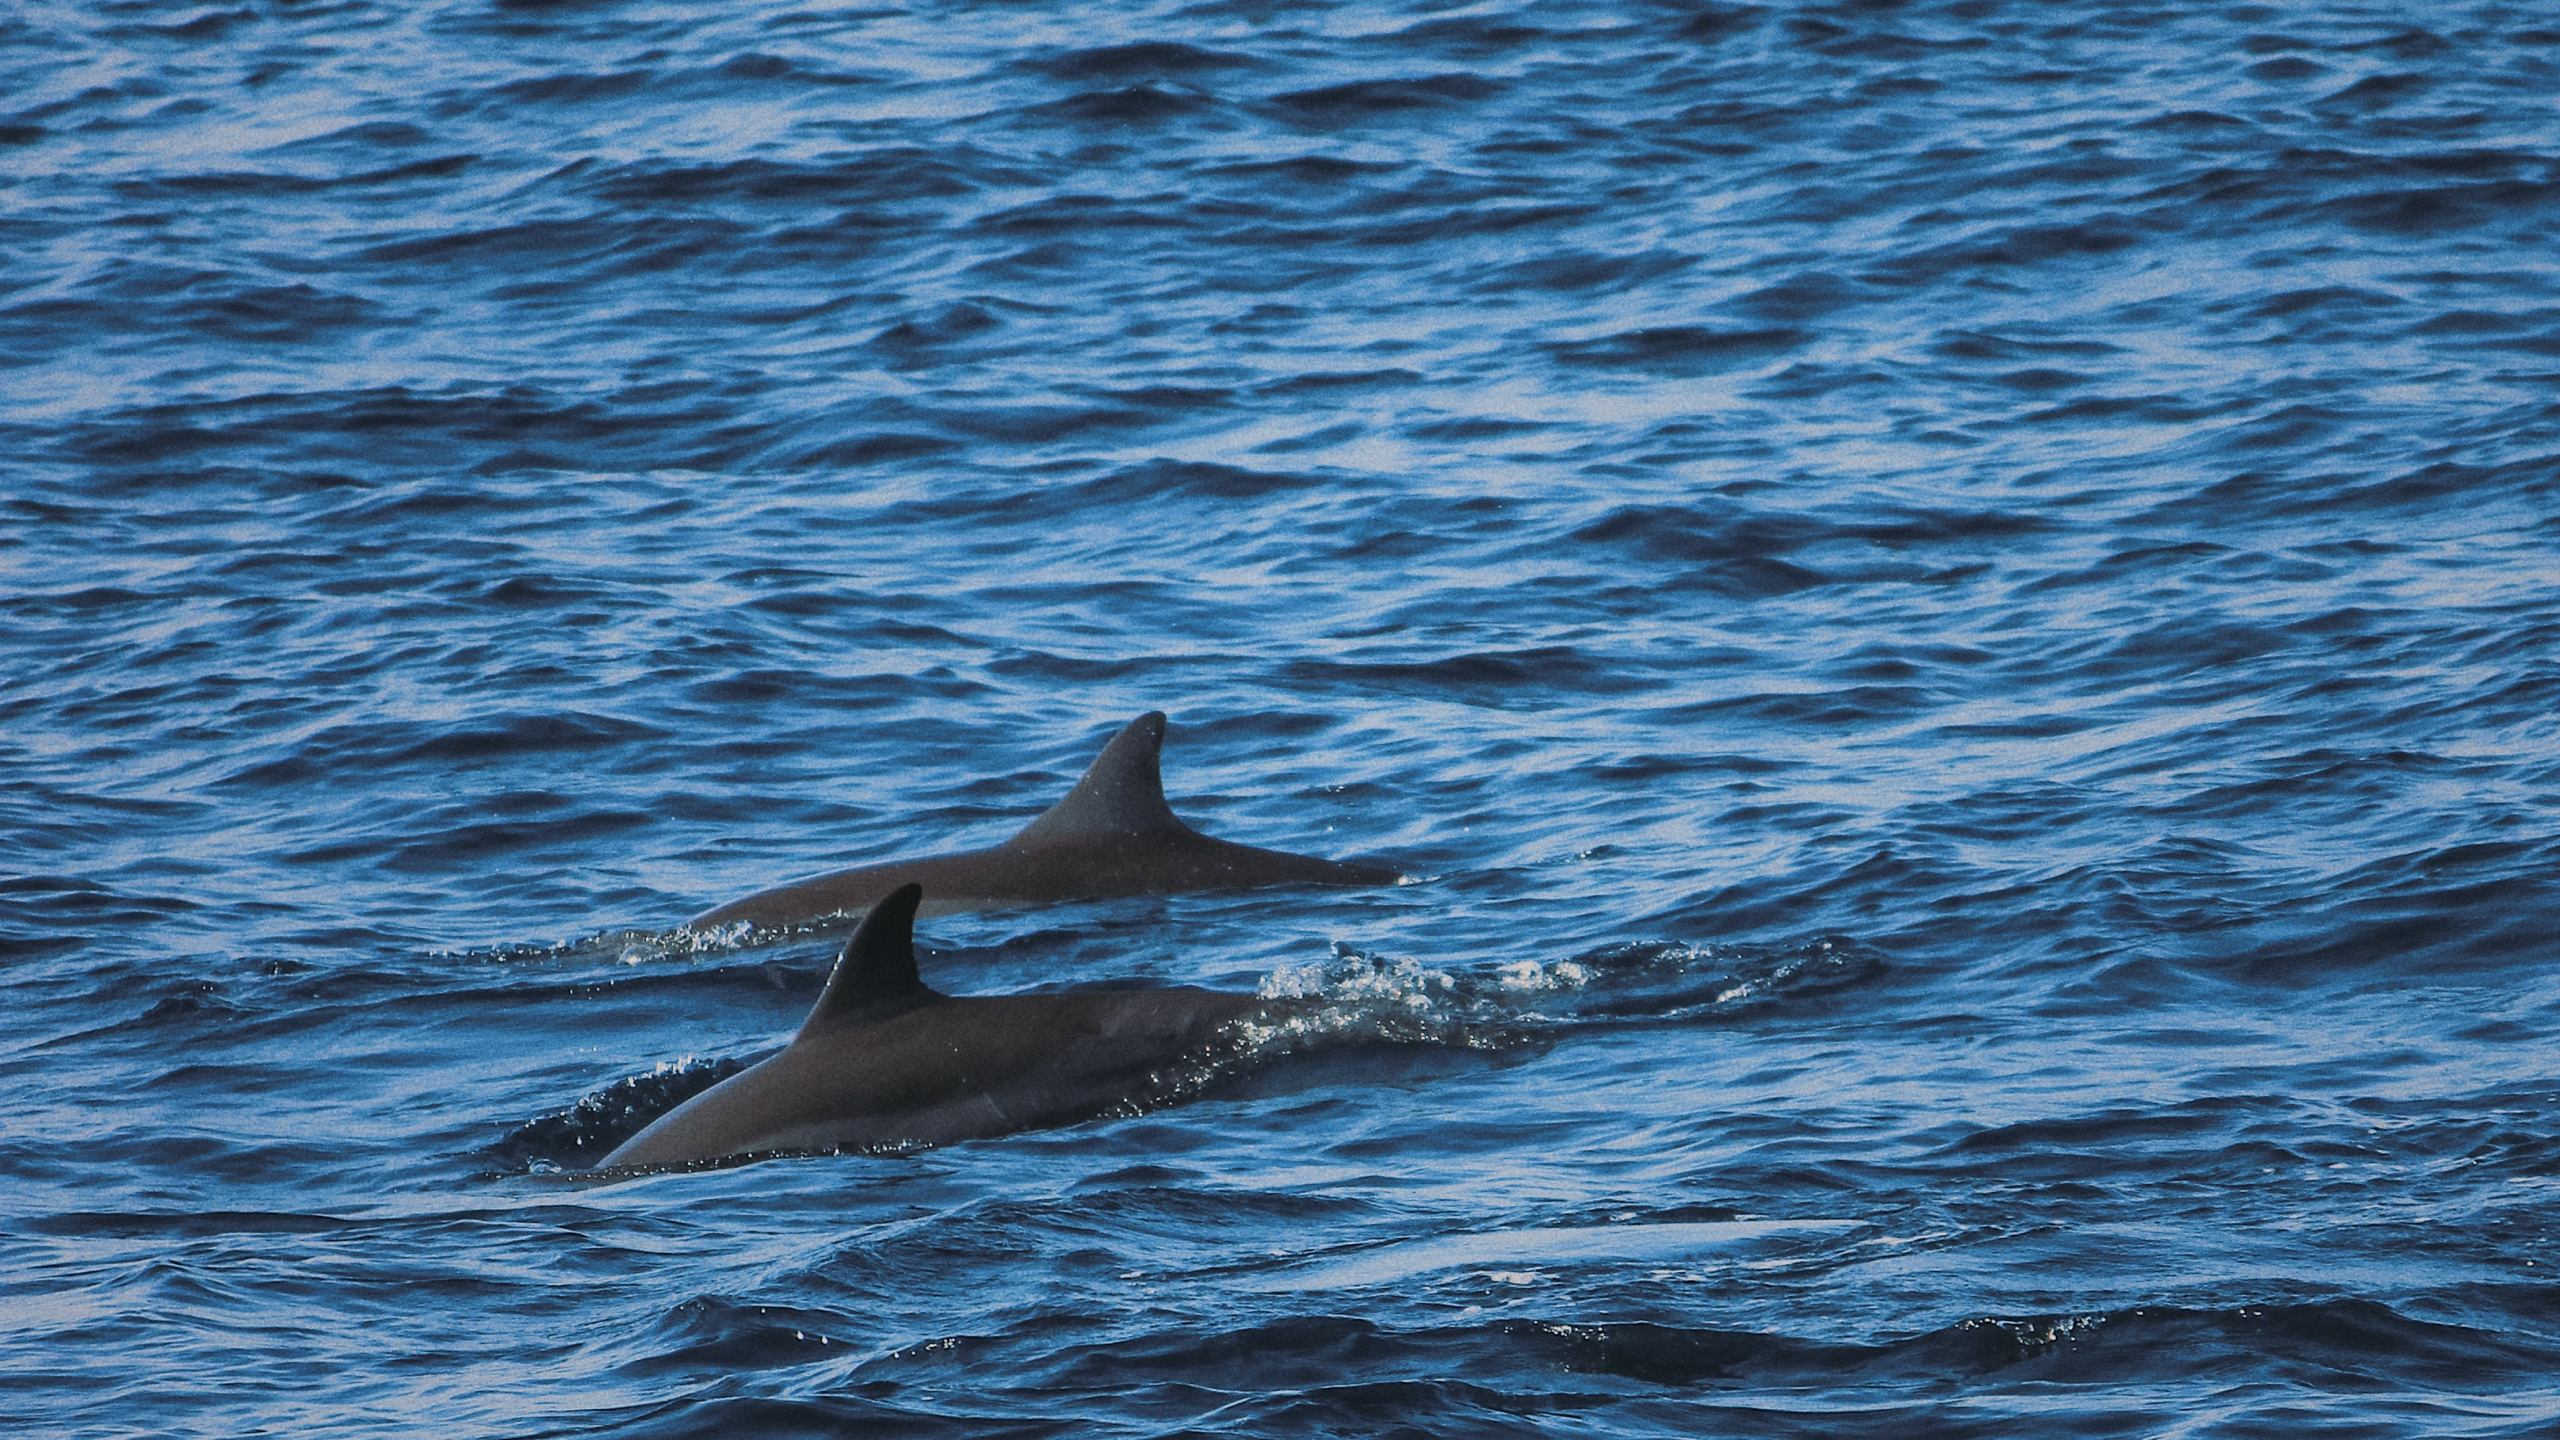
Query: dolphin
(1113,835)
(884,1060)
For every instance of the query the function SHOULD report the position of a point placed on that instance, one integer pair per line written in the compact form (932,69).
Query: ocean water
(1956,607)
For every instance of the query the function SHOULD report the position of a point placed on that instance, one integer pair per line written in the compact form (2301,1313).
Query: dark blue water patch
(708,1333)
(1134,106)
(1355,101)
(261,315)
(197,189)
(1140,60)
(491,739)
(873,450)
(952,326)
(2453,910)
(458,838)
(1679,350)
(1521,679)
(1497,1378)
(2449,208)
(1582,272)
(1189,485)
(457,430)
(192,1225)
(2340,1342)
(2250,495)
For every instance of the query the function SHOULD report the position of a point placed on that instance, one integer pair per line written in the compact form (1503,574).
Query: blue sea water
(1957,606)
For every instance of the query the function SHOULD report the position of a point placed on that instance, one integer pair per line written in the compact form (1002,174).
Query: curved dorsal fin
(1123,794)
(876,974)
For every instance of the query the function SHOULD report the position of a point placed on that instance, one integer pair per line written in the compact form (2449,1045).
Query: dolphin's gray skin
(1112,835)
(884,1060)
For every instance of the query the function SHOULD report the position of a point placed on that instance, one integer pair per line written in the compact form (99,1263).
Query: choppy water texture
(1958,601)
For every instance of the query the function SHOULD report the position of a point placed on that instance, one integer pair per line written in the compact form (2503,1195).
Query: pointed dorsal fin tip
(1122,792)
(877,966)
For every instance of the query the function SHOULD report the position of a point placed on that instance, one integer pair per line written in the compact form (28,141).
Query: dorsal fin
(876,974)
(1123,794)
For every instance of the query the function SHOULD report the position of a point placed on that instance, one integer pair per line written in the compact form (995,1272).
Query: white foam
(1509,1254)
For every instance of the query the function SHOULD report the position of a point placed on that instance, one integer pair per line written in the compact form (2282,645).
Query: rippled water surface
(1957,604)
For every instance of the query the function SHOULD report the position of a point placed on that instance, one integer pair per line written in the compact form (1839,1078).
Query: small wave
(2116,1347)
(1508,1255)
(586,1132)
(637,947)
(1529,1001)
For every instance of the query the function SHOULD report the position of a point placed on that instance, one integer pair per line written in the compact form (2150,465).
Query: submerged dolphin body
(885,1060)
(1112,835)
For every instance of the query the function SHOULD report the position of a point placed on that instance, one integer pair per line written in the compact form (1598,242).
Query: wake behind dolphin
(884,1060)
(1112,835)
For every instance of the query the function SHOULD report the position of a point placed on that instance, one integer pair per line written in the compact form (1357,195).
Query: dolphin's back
(883,1060)
(1112,835)
(989,1066)
(954,1069)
